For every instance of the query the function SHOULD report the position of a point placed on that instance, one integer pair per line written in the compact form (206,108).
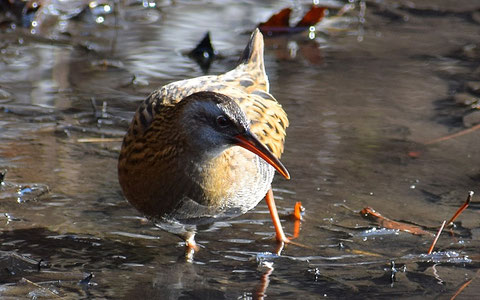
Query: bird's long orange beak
(251,143)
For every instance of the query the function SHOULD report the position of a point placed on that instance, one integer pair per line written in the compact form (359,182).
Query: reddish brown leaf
(371,214)
(312,17)
(278,20)
(414,154)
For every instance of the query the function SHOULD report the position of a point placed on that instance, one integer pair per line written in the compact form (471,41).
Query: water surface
(363,96)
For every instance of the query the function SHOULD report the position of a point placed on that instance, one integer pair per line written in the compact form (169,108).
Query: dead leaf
(384,222)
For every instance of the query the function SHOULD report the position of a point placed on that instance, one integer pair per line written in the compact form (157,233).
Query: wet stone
(476,16)
(452,68)
(23,193)
(476,72)
(471,51)
(473,86)
(25,110)
(465,99)
(472,119)
(5,96)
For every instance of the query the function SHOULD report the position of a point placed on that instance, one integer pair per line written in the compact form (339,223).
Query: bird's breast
(231,184)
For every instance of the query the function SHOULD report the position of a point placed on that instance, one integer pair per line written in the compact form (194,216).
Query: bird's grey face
(213,121)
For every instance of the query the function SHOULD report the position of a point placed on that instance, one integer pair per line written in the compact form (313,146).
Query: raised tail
(251,60)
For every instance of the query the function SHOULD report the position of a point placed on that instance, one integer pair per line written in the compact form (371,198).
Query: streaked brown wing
(247,84)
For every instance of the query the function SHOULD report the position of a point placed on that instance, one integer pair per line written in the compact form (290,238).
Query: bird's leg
(191,246)
(279,234)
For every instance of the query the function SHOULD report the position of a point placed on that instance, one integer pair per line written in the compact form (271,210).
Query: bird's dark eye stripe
(222,121)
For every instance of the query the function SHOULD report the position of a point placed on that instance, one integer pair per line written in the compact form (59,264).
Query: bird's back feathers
(247,84)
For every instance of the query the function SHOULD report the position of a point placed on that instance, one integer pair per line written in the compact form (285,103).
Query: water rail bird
(205,149)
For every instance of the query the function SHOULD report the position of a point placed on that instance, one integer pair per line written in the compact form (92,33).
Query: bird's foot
(282,238)
(282,241)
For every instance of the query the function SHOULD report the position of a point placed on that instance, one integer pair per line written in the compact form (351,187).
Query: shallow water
(362,97)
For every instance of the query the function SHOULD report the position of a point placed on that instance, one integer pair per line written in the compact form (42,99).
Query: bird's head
(214,122)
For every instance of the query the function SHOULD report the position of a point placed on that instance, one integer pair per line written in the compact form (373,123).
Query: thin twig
(373,215)
(99,140)
(461,289)
(464,286)
(461,209)
(436,237)
(451,136)
(93,103)
(40,287)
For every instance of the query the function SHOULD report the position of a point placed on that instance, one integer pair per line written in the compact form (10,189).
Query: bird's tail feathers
(252,57)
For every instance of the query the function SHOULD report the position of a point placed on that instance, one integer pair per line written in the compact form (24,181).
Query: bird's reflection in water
(182,280)
(179,280)
(261,291)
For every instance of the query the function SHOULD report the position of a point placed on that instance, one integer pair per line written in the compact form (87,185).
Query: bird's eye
(222,121)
